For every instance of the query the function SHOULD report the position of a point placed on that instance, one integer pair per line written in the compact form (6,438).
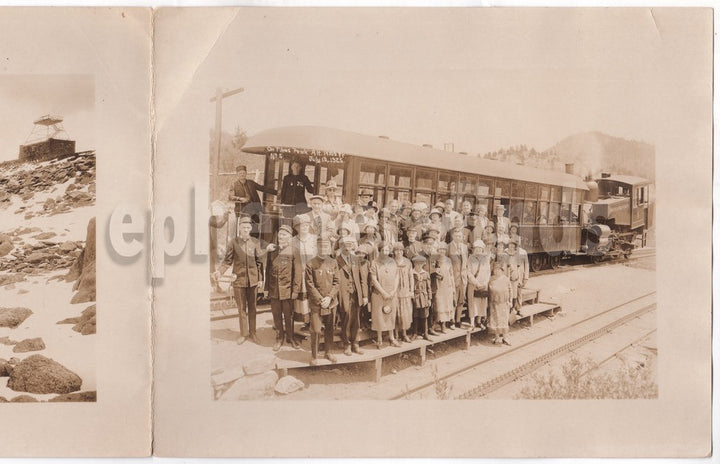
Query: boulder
(288,384)
(227,376)
(259,365)
(84,269)
(5,368)
(68,246)
(29,344)
(6,245)
(85,286)
(39,256)
(24,399)
(7,279)
(253,387)
(38,374)
(13,317)
(45,235)
(87,397)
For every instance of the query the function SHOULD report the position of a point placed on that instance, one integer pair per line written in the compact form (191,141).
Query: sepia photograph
(442,216)
(47,239)
(426,222)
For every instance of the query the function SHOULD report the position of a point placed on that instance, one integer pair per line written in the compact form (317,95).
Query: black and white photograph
(418,221)
(47,239)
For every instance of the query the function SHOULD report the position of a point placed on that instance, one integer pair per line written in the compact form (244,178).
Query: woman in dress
(514,237)
(478,278)
(444,288)
(490,240)
(500,293)
(383,295)
(405,291)
(370,237)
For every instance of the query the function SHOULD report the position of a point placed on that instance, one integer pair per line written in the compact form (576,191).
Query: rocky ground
(47,280)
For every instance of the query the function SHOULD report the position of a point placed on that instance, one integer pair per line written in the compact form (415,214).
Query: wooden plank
(423,355)
(378,369)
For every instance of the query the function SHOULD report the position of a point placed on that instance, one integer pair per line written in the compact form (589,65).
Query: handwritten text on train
(314,156)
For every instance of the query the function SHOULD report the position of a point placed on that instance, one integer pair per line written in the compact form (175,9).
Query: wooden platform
(301,358)
(529,311)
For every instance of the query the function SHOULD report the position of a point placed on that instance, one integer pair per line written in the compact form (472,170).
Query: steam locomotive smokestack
(570,168)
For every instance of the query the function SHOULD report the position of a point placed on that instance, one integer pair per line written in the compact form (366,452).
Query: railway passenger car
(547,205)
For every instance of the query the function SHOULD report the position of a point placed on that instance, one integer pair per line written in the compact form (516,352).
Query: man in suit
(458,254)
(245,255)
(320,222)
(353,294)
(244,193)
(322,279)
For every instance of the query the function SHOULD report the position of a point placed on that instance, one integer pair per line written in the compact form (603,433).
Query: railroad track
(575,263)
(537,352)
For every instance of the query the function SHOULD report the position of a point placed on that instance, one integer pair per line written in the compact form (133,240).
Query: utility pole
(218,98)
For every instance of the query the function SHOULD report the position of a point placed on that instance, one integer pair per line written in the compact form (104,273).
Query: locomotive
(619,212)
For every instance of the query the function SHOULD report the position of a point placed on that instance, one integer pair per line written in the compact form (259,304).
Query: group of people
(408,271)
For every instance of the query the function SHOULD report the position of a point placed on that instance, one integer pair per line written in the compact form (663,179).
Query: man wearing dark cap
(280,280)
(323,284)
(245,255)
(244,193)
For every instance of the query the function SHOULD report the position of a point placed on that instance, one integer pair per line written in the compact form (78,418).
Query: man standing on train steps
(244,254)
(353,294)
(244,193)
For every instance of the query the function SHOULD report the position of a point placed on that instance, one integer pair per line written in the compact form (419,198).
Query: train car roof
(630,180)
(324,139)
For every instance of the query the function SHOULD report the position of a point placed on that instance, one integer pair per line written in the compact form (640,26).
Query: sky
(481,80)
(27,97)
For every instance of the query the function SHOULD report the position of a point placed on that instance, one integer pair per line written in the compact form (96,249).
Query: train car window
(372,173)
(484,187)
(424,197)
(554,193)
(531,191)
(502,188)
(545,192)
(487,202)
(565,213)
(554,214)
(467,185)
(543,213)
(424,179)
(400,195)
(567,194)
(331,172)
(518,190)
(529,212)
(399,177)
(576,196)
(517,209)
(574,217)
(447,183)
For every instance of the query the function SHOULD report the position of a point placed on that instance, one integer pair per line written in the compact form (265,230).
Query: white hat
(478,244)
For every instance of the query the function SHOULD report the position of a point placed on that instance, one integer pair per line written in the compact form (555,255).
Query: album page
(75,196)
(431,232)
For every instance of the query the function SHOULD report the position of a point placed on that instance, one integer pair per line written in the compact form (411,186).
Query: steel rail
(463,369)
